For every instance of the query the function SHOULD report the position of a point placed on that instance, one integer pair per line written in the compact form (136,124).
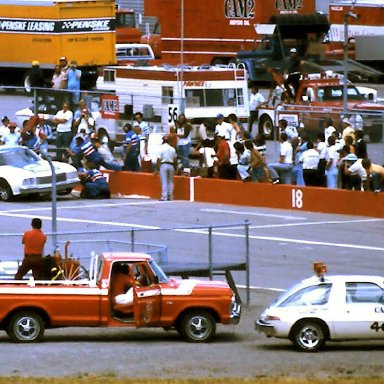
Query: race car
(322,308)
(23,172)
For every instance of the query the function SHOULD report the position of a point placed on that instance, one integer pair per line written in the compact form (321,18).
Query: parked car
(23,172)
(322,308)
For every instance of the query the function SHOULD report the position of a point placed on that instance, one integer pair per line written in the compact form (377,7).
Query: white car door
(363,313)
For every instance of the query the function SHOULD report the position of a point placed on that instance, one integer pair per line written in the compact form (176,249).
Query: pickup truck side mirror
(156,279)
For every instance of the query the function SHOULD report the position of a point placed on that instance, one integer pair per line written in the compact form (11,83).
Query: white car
(22,172)
(321,308)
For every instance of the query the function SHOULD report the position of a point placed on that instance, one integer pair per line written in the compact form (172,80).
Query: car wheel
(26,327)
(198,326)
(266,126)
(308,336)
(5,191)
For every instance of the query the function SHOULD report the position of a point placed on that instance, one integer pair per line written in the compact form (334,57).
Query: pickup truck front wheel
(26,327)
(198,326)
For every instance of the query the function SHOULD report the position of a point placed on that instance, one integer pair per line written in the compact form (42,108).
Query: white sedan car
(321,308)
(23,172)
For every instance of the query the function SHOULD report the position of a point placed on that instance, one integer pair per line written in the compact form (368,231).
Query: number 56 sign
(173,112)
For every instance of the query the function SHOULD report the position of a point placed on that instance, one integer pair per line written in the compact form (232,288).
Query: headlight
(29,182)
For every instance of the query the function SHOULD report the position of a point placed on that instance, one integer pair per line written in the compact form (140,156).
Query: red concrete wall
(253,194)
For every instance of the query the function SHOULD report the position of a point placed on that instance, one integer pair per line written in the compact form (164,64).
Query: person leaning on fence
(34,241)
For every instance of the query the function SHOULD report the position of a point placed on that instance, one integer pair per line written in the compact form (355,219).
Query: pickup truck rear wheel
(198,326)
(26,327)
(266,126)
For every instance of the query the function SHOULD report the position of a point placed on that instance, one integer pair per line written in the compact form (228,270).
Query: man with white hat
(347,129)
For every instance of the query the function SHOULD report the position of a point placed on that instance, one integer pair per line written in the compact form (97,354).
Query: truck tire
(198,326)
(266,126)
(6,193)
(26,327)
(308,336)
(376,133)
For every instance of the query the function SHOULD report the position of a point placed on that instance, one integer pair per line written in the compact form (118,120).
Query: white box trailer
(162,93)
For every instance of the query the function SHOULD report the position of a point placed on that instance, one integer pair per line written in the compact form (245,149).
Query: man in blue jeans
(282,170)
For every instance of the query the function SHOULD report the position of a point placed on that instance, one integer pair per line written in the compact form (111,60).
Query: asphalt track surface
(283,246)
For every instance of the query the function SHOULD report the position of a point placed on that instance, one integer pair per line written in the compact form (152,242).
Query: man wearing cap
(223,128)
(293,72)
(347,129)
(63,119)
(36,75)
(166,164)
(95,185)
(13,137)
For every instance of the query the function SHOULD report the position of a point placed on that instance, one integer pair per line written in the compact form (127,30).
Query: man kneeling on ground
(95,185)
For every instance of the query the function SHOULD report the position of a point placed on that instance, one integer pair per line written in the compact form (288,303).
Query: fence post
(210,252)
(132,240)
(246,224)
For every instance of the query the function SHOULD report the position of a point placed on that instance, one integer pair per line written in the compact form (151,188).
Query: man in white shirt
(282,170)
(223,128)
(167,164)
(63,120)
(12,138)
(328,128)
(310,162)
(255,100)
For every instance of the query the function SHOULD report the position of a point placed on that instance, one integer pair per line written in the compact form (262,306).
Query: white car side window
(364,293)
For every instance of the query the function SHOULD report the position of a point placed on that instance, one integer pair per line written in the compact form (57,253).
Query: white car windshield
(18,157)
(312,295)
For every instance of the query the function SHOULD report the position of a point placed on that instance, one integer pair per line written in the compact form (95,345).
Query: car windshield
(163,278)
(18,157)
(312,295)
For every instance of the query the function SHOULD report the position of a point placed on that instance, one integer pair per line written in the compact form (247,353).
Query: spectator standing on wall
(63,120)
(183,131)
(167,164)
(73,81)
(255,100)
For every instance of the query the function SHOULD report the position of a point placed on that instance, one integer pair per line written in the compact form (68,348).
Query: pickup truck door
(147,302)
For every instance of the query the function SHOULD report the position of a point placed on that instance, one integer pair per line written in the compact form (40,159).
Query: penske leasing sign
(10,25)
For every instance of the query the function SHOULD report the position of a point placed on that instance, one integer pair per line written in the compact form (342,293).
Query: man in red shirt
(34,241)
(223,154)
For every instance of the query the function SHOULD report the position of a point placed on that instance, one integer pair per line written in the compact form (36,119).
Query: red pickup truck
(119,290)
(319,96)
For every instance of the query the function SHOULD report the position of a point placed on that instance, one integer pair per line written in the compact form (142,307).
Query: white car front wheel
(308,336)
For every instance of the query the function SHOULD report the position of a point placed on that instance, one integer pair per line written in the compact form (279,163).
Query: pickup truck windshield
(335,93)
(163,278)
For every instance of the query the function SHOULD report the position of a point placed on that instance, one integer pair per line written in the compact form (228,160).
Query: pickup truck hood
(189,286)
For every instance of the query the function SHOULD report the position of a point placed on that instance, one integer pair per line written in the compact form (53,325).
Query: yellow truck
(45,30)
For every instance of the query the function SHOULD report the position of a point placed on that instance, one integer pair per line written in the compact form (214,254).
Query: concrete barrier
(235,192)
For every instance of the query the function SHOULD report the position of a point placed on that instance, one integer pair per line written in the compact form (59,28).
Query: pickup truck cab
(147,298)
